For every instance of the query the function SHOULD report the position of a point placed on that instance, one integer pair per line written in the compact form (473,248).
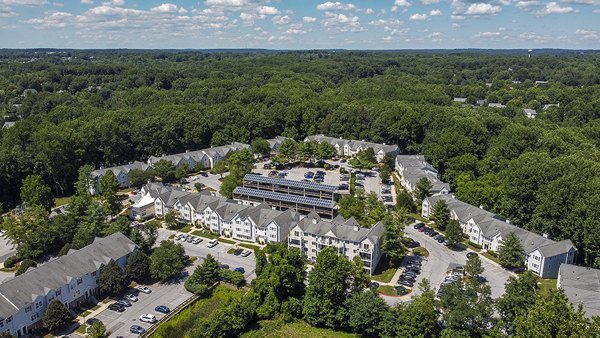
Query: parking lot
(435,266)
(6,249)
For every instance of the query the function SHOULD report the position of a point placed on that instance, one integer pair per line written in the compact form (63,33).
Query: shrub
(25,264)
(65,249)
(11,261)
(56,316)
(477,246)
(232,277)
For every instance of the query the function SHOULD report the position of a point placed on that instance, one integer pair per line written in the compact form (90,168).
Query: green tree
(108,190)
(204,276)
(30,232)
(288,149)
(364,160)
(360,279)
(473,267)
(454,232)
(56,316)
(138,177)
(183,171)
(112,279)
(243,160)
(385,174)
(35,192)
(97,330)
(468,308)
(520,294)
(364,312)
(232,181)
(24,266)
(220,168)
(392,243)
(419,318)
(167,260)
(422,189)
(326,291)
(165,170)
(511,252)
(441,214)
(172,219)
(325,150)
(261,146)
(138,266)
(405,200)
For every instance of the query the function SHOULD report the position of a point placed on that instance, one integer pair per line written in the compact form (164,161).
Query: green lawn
(186,228)
(387,290)
(383,272)
(249,246)
(547,284)
(81,329)
(421,251)
(205,234)
(487,255)
(230,251)
(182,323)
(61,201)
(300,329)
(225,240)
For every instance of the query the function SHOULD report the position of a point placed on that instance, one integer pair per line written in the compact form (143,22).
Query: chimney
(545,235)
(481,207)
(314,221)
(356,228)
(508,221)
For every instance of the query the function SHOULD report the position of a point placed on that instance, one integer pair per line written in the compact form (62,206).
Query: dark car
(162,309)
(373,285)
(414,244)
(441,239)
(237,252)
(406,282)
(428,230)
(471,254)
(116,307)
(91,321)
(419,225)
(137,329)
(203,174)
(224,266)
(239,269)
(401,290)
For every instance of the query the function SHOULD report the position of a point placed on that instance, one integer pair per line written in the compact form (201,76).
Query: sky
(300,24)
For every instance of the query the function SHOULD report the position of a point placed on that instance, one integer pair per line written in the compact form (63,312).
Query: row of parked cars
(318,176)
(195,239)
(450,278)
(411,271)
(432,233)
(242,252)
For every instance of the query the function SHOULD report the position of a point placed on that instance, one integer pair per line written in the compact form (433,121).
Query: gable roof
(121,169)
(353,144)
(347,230)
(581,286)
(22,290)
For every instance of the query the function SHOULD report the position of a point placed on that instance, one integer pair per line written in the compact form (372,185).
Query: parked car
(189,239)
(131,297)
(422,229)
(197,240)
(237,252)
(406,282)
(148,318)
(373,285)
(116,307)
(239,269)
(162,309)
(124,302)
(143,289)
(427,230)
(309,174)
(441,239)
(401,290)
(246,253)
(137,329)
(212,243)
(92,320)
(471,254)
(203,174)
(224,266)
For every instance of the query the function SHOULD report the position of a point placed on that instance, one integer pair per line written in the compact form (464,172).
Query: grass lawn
(13,269)
(61,201)
(205,234)
(225,240)
(86,313)
(95,307)
(230,251)
(384,272)
(300,329)
(387,290)
(487,255)
(249,246)
(421,251)
(547,284)
(81,329)
(182,323)
(186,228)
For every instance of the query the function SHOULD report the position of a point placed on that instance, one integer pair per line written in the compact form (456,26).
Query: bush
(195,288)
(291,308)
(477,246)
(65,249)
(25,264)
(11,261)
(232,277)
(57,316)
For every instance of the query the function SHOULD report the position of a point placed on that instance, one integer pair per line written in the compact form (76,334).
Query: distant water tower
(529,52)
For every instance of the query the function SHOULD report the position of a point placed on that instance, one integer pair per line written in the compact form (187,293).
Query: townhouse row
(543,256)
(413,168)
(72,279)
(352,147)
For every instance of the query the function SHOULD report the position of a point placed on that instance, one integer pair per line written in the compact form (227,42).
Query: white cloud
(435,12)
(555,8)
(309,19)
(596,11)
(457,17)
(342,23)
(329,6)
(227,3)
(6,12)
(54,20)
(267,10)
(402,3)
(294,31)
(429,2)
(527,4)
(369,11)
(583,2)
(419,17)
(168,8)
(23,2)
(487,35)
(114,3)
(587,34)
(483,9)
(281,20)
(388,22)
(87,2)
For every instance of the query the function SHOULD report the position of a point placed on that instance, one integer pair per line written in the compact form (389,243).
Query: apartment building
(412,168)
(582,286)
(543,256)
(121,175)
(312,234)
(352,147)
(71,279)
(207,158)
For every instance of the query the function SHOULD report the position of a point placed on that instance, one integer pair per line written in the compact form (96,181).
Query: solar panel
(290,183)
(285,197)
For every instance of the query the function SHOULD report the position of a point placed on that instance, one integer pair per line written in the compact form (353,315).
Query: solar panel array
(290,183)
(285,197)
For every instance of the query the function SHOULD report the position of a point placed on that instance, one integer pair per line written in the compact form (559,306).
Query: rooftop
(290,183)
(581,286)
(285,197)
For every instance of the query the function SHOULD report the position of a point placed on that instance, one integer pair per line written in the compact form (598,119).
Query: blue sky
(300,24)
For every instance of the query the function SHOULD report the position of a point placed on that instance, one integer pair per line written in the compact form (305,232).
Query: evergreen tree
(473,267)
(454,233)
(56,316)
(441,214)
(511,252)
(112,279)
(422,189)
(108,190)
(167,260)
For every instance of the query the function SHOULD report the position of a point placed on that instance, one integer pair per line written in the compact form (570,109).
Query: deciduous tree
(167,260)
(511,251)
(35,192)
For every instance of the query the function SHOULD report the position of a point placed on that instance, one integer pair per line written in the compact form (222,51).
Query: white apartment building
(413,168)
(352,147)
(312,234)
(71,279)
(543,256)
(121,175)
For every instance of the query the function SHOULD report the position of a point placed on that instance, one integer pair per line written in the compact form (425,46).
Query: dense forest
(110,107)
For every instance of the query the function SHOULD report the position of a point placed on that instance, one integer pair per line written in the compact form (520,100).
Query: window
(9,319)
(366,246)
(79,281)
(535,265)
(28,309)
(94,273)
(58,292)
(38,305)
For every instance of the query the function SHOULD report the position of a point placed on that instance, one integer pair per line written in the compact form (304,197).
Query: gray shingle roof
(122,168)
(23,289)
(353,144)
(581,286)
(348,230)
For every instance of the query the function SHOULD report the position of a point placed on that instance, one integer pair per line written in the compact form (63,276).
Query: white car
(212,243)
(130,297)
(143,289)
(197,240)
(148,318)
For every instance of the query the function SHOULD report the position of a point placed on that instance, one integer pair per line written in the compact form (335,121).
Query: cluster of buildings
(265,221)
(71,279)
(530,113)
(352,147)
(413,168)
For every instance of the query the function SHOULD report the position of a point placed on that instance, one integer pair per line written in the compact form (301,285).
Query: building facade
(121,175)
(313,234)
(71,279)
(413,168)
(352,147)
